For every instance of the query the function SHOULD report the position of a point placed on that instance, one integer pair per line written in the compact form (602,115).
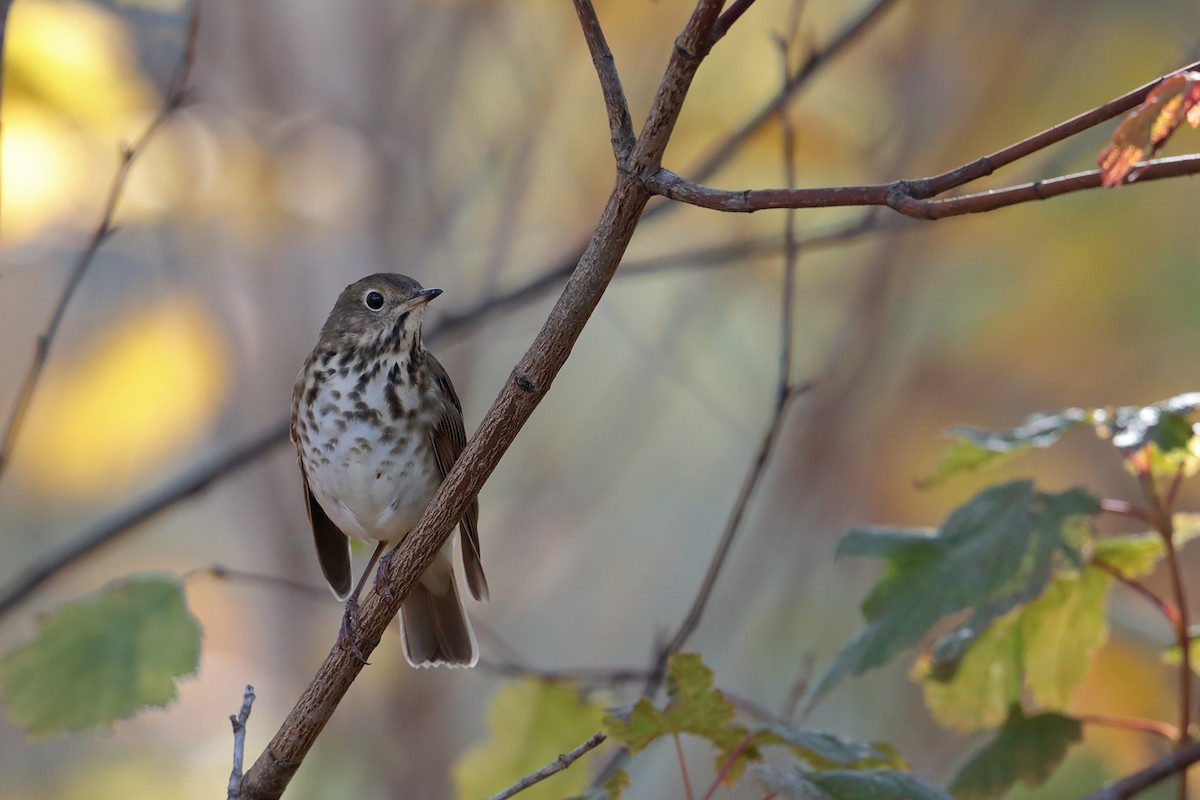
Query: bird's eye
(373,301)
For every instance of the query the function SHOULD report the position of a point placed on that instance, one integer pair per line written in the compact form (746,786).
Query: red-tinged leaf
(1147,128)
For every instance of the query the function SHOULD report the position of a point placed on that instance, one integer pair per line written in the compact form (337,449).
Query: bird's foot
(381,584)
(347,633)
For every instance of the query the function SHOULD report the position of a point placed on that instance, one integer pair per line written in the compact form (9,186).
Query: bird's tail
(434,623)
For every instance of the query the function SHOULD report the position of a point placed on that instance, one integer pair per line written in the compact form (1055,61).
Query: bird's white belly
(373,485)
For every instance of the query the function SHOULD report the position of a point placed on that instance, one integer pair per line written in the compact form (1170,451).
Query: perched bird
(377,425)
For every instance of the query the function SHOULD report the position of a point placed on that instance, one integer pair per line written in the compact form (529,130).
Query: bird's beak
(422,297)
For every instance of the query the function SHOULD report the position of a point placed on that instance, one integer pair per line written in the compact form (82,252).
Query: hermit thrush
(377,425)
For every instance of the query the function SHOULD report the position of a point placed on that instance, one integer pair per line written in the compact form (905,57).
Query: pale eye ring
(373,300)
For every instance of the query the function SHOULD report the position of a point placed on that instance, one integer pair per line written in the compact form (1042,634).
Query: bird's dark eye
(373,301)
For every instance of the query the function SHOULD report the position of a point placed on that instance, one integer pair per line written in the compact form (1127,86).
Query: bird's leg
(350,617)
(381,586)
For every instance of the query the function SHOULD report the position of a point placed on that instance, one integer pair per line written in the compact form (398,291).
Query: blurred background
(464,142)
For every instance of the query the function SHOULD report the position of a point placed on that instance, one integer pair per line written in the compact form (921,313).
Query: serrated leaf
(1147,127)
(1026,749)
(102,658)
(828,750)
(693,707)
(876,784)
(998,549)
(530,723)
(976,447)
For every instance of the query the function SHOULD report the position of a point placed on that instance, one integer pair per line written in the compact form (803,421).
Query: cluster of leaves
(1017,583)
(1023,582)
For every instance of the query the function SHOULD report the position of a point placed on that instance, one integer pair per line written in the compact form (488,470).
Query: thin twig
(791,250)
(1176,763)
(620,123)
(1165,608)
(172,99)
(1125,509)
(224,573)
(21,587)
(239,743)
(557,765)
(1141,724)
(907,197)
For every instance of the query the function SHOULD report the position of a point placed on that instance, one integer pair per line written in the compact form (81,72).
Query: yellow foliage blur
(145,389)
(72,93)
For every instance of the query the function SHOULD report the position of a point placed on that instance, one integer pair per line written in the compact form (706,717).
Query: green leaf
(1062,631)
(1047,645)
(531,722)
(103,657)
(1132,555)
(1026,749)
(986,683)
(976,447)
(792,783)
(693,707)
(876,784)
(828,750)
(998,550)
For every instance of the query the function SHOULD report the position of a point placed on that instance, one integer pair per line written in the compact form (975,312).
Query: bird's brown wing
(449,437)
(333,547)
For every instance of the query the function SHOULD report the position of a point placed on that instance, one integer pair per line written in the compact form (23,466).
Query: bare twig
(557,765)
(1176,763)
(907,197)
(239,743)
(172,99)
(112,529)
(224,573)
(620,123)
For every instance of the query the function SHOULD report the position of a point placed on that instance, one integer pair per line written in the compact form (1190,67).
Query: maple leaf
(1147,128)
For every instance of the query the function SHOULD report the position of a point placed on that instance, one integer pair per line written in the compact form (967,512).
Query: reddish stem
(728,765)
(1169,611)
(1165,526)
(1142,724)
(1124,509)
(687,783)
